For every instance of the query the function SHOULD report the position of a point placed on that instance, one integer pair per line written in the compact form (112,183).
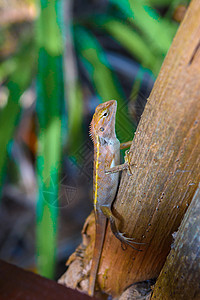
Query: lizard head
(103,121)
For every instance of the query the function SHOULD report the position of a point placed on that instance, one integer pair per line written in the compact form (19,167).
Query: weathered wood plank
(16,283)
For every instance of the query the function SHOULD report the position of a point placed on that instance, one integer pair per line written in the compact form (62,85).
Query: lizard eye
(101,129)
(105,114)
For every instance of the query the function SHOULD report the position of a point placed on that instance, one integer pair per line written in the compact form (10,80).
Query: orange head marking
(103,121)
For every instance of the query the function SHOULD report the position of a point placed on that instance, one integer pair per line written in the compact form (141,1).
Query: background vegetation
(59,60)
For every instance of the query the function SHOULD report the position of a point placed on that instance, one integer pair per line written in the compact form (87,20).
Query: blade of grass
(50,97)
(134,43)
(158,31)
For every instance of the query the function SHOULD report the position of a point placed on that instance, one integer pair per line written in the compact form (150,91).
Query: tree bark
(179,278)
(152,202)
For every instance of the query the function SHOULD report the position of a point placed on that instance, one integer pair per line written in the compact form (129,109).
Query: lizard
(105,180)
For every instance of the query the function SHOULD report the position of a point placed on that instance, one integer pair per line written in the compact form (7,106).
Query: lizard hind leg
(119,235)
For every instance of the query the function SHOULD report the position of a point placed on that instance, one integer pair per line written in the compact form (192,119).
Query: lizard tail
(99,240)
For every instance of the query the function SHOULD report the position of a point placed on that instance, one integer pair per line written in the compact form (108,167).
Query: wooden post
(152,202)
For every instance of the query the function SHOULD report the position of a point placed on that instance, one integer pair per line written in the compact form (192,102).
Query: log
(152,202)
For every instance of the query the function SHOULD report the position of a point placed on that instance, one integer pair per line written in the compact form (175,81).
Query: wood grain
(165,149)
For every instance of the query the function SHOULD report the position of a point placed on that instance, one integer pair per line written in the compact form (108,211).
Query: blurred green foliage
(142,31)
(50,96)
(16,85)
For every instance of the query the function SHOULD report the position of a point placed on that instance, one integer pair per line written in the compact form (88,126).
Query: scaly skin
(106,156)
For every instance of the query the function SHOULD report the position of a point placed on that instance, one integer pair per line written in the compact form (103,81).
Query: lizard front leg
(119,235)
(126,166)
(125,145)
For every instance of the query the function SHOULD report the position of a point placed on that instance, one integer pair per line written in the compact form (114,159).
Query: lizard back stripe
(96,177)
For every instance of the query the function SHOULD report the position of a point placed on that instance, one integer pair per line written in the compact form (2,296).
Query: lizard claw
(125,237)
(123,246)
(128,240)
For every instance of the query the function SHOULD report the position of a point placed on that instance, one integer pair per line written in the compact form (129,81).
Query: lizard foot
(119,235)
(122,234)
(127,241)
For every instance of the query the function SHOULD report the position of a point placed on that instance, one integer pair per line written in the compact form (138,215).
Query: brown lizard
(105,179)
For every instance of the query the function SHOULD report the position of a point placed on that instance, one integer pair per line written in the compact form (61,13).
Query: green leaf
(134,43)
(50,99)
(158,31)
(48,29)
(19,80)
